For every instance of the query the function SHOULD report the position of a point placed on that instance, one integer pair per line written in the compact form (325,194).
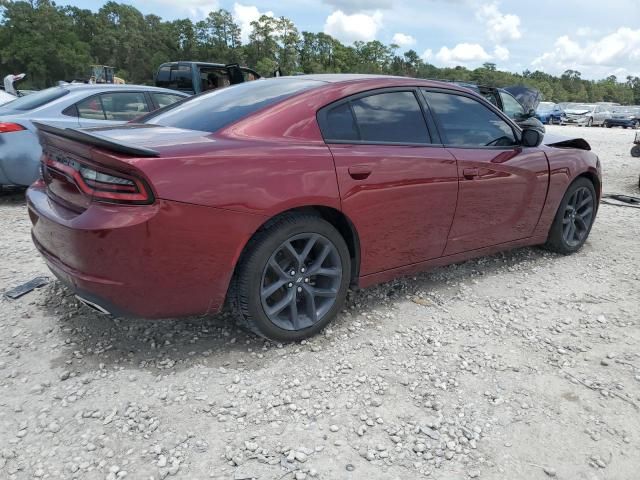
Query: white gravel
(524,365)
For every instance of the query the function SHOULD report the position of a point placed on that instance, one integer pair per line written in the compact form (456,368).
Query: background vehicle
(277,195)
(625,117)
(584,114)
(5,97)
(550,113)
(197,77)
(68,106)
(520,107)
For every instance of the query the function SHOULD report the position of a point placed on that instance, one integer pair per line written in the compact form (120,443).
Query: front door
(396,187)
(502,185)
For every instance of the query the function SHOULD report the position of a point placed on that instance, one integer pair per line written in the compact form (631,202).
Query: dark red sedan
(279,194)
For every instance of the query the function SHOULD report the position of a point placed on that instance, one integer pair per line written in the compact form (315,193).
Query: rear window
(211,111)
(38,99)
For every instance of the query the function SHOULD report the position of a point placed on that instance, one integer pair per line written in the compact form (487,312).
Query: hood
(528,97)
(577,111)
(559,141)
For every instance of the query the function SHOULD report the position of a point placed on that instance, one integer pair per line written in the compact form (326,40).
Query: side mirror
(531,137)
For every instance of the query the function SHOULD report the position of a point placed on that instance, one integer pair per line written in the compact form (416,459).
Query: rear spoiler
(90,137)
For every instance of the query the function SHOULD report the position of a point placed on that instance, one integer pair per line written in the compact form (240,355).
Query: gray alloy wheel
(292,279)
(574,218)
(578,216)
(301,280)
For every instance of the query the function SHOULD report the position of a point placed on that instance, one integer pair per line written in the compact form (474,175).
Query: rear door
(397,183)
(503,186)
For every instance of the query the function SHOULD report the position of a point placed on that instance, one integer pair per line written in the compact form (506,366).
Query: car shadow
(94,341)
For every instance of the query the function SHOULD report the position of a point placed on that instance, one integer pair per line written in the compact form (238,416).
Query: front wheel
(590,122)
(293,280)
(574,218)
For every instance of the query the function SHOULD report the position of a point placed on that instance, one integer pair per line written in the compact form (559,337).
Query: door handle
(360,172)
(470,173)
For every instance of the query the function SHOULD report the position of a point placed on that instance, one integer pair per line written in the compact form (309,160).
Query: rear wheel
(293,280)
(635,151)
(574,218)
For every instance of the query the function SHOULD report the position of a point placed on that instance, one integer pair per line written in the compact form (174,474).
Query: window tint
(390,117)
(165,99)
(466,122)
(124,106)
(511,107)
(164,75)
(37,99)
(181,78)
(91,108)
(340,124)
(211,111)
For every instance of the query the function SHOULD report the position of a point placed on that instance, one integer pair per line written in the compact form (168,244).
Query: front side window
(165,99)
(511,107)
(124,106)
(465,122)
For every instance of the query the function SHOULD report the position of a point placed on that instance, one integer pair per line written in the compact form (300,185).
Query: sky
(597,38)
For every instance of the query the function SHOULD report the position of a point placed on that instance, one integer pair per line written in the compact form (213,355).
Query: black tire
(635,151)
(608,125)
(557,240)
(248,285)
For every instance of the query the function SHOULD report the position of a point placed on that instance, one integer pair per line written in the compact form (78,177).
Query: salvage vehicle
(198,77)
(586,115)
(67,105)
(635,150)
(6,97)
(550,113)
(279,195)
(625,117)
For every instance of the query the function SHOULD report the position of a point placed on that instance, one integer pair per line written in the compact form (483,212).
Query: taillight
(7,127)
(100,183)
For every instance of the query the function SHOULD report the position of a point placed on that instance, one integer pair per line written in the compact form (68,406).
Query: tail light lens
(100,183)
(8,127)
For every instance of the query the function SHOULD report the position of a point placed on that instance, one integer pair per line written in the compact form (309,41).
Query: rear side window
(91,108)
(164,76)
(388,117)
(38,99)
(465,122)
(208,112)
(393,117)
(181,78)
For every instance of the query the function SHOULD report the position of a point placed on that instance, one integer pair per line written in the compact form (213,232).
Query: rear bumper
(163,260)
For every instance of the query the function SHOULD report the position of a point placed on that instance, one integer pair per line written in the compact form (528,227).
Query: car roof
(98,87)
(377,81)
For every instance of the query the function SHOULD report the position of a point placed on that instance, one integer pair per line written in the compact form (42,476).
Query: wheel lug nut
(302,270)
(299,289)
(292,272)
(306,280)
(290,285)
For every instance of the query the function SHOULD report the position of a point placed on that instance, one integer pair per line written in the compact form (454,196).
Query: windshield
(37,99)
(211,111)
(546,106)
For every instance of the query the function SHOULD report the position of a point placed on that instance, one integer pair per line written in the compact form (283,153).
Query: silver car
(585,114)
(67,106)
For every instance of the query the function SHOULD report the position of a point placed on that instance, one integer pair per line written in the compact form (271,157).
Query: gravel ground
(523,365)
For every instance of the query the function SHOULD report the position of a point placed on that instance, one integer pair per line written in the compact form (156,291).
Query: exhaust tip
(93,306)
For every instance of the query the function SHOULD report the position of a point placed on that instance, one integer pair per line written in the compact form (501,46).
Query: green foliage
(51,43)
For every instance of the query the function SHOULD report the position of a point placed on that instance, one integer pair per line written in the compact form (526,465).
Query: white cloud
(501,53)
(463,53)
(244,15)
(349,28)
(500,27)
(427,55)
(354,6)
(617,52)
(403,40)
(195,8)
